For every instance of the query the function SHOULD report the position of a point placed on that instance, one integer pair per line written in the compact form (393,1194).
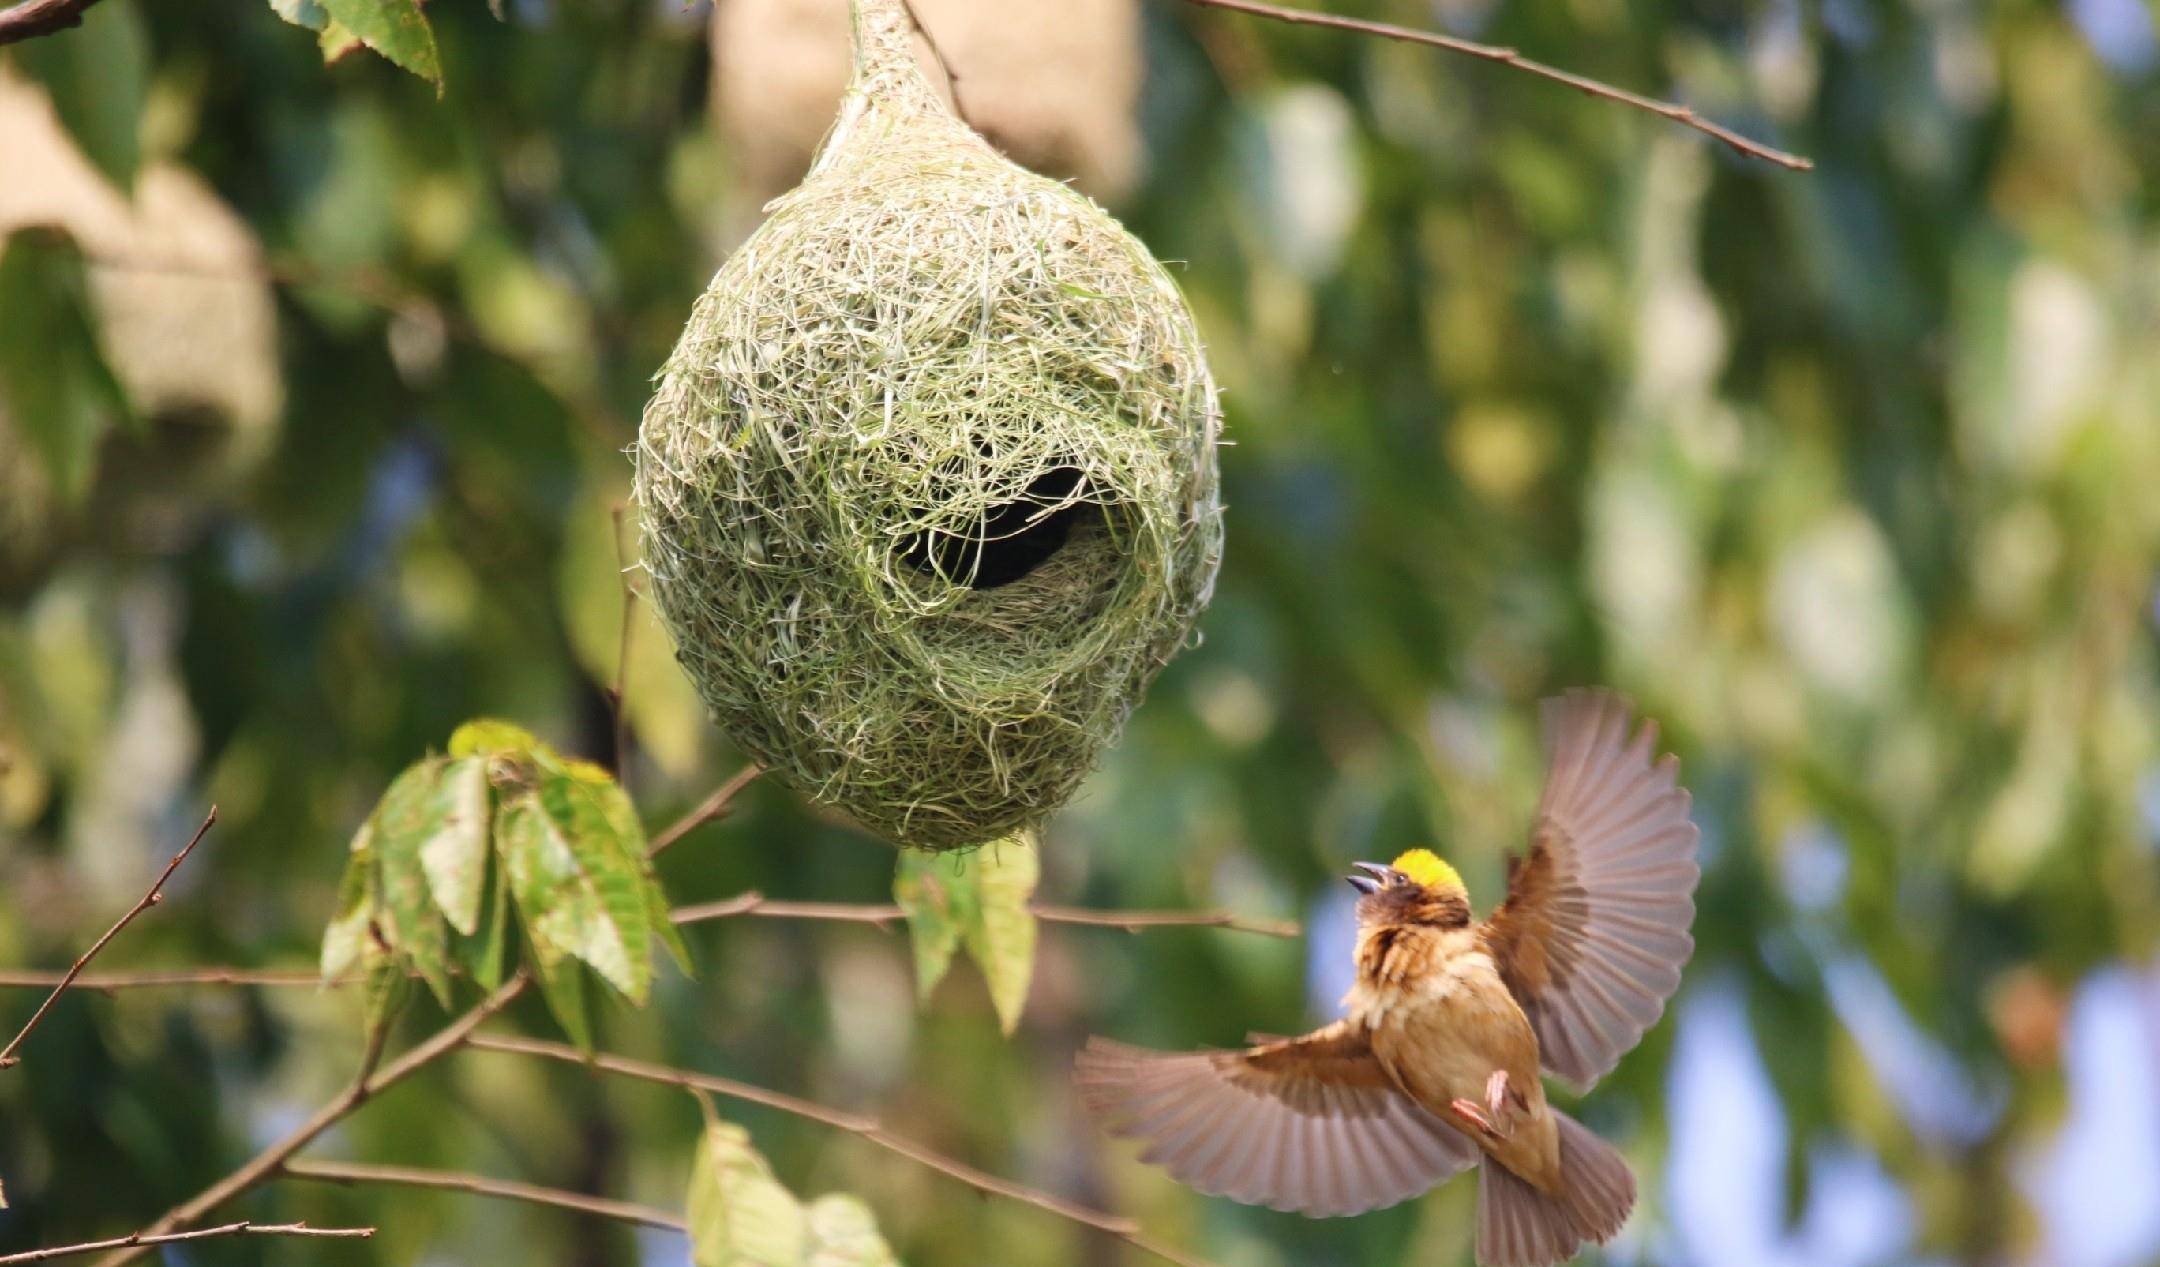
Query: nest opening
(1011,540)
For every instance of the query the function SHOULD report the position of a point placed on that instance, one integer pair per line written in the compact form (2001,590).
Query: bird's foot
(1503,1101)
(1474,1113)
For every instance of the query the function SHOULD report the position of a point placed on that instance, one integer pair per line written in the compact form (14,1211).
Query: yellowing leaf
(739,1215)
(980,901)
(844,1233)
(486,736)
(1001,938)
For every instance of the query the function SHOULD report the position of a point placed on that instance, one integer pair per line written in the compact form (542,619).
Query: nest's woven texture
(929,484)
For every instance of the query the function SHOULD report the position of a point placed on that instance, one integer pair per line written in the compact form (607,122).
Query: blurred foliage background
(314,386)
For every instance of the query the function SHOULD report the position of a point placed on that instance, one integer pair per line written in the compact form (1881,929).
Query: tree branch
(480,1185)
(145,1239)
(154,978)
(714,806)
(32,18)
(885,915)
(150,899)
(365,1084)
(1509,57)
(865,1127)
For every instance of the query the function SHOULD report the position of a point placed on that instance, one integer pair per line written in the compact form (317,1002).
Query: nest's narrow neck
(885,65)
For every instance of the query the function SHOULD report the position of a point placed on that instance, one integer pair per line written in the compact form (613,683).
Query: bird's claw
(1474,1113)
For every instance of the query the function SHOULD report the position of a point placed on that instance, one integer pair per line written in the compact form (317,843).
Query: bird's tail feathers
(1519,1226)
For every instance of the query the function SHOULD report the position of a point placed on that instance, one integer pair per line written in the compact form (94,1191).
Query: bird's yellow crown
(1425,867)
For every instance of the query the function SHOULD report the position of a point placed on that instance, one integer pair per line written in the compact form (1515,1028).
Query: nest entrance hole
(1013,539)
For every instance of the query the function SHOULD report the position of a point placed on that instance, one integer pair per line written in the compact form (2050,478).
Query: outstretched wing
(1594,930)
(1310,1124)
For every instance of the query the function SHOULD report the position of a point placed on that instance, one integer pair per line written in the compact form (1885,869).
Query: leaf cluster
(501,840)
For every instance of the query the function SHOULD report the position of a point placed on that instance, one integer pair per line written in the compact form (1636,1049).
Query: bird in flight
(1453,1023)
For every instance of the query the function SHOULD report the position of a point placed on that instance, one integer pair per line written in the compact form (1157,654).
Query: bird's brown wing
(1594,930)
(1310,1124)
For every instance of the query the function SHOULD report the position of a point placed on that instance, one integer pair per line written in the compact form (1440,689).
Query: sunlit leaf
(346,937)
(739,1215)
(1001,937)
(455,852)
(97,76)
(488,736)
(397,29)
(844,1233)
(574,897)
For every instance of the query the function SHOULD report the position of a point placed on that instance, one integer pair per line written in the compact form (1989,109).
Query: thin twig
(146,1239)
(32,18)
(619,694)
(714,806)
(366,1084)
(865,1127)
(480,1185)
(175,977)
(150,899)
(885,915)
(1510,57)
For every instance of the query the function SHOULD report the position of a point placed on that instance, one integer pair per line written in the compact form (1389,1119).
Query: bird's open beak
(1375,876)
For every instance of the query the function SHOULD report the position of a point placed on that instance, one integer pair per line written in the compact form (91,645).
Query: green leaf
(55,385)
(413,812)
(307,13)
(455,851)
(388,987)
(739,1215)
(98,76)
(397,29)
(623,817)
(938,898)
(576,893)
(486,736)
(563,986)
(613,866)
(1001,938)
(980,901)
(483,954)
(346,937)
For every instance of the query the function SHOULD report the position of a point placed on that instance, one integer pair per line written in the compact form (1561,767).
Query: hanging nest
(929,483)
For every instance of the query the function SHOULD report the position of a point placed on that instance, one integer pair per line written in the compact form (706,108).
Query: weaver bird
(1438,1059)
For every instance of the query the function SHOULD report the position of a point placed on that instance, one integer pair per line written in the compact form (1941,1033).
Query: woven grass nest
(929,484)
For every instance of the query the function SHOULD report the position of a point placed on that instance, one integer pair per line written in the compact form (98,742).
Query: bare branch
(366,1084)
(885,915)
(32,18)
(145,1239)
(150,899)
(714,806)
(480,1185)
(865,1127)
(1509,57)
